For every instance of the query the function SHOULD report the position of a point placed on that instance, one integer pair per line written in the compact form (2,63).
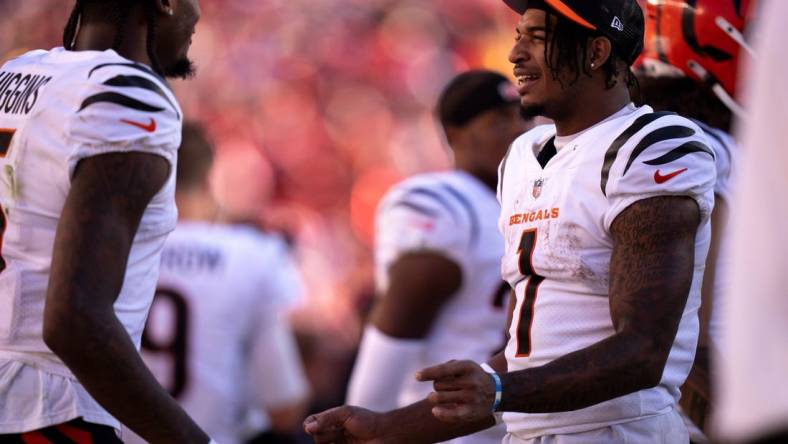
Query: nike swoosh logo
(150,127)
(659,178)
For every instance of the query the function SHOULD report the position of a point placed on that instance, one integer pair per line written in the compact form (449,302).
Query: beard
(528,112)
(182,68)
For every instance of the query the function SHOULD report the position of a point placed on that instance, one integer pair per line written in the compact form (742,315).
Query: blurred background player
(437,254)
(217,337)
(752,362)
(690,66)
(89,142)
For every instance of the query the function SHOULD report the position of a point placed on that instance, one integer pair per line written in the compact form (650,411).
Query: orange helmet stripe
(567,12)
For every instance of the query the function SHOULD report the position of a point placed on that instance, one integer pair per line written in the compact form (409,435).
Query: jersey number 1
(526,318)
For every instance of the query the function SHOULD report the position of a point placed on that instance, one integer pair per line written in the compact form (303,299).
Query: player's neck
(591,107)
(490,179)
(196,206)
(100,36)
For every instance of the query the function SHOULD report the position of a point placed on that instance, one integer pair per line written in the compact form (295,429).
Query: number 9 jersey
(56,108)
(556,225)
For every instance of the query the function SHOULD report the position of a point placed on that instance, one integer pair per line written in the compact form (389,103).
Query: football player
(217,337)
(689,66)
(89,138)
(605,219)
(437,254)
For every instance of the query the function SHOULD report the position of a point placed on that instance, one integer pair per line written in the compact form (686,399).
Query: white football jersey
(217,337)
(56,108)
(454,214)
(556,225)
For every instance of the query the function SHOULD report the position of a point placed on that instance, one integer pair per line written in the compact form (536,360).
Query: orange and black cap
(621,21)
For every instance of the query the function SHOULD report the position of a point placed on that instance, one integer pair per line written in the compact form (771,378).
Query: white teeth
(526,78)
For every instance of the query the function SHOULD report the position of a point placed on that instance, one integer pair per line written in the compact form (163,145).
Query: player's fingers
(464,382)
(452,413)
(335,437)
(447,385)
(326,422)
(326,435)
(449,369)
(453,397)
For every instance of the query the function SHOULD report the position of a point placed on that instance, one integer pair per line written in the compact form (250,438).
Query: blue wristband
(498,391)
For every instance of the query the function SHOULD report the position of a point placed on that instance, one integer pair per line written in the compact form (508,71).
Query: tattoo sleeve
(651,271)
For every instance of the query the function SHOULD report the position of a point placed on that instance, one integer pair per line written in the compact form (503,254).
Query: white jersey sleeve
(417,216)
(123,107)
(685,167)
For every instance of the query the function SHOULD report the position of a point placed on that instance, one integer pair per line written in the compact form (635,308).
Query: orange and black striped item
(72,432)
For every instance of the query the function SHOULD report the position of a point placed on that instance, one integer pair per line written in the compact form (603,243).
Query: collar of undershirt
(562,141)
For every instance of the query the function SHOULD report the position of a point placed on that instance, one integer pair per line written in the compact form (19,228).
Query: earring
(593,65)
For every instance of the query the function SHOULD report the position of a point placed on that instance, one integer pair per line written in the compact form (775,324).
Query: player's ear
(164,6)
(599,51)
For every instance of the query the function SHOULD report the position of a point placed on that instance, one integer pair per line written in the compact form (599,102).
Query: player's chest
(552,218)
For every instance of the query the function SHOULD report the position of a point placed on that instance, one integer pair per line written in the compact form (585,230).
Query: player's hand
(464,392)
(344,425)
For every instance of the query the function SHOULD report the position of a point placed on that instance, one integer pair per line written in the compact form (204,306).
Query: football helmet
(701,39)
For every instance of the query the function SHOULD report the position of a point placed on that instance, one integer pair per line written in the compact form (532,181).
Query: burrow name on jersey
(19,92)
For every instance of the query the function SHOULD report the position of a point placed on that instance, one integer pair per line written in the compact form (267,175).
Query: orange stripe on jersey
(75,434)
(34,438)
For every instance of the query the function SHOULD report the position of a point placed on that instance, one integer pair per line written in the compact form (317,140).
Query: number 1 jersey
(556,226)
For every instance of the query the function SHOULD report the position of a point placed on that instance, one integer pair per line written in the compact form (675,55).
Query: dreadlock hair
(567,47)
(116,12)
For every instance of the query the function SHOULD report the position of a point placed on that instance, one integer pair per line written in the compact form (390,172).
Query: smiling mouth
(524,79)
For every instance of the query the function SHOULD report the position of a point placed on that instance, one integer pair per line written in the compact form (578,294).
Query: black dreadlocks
(117,12)
(567,46)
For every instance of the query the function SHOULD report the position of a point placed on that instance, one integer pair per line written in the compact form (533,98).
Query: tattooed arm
(651,272)
(108,196)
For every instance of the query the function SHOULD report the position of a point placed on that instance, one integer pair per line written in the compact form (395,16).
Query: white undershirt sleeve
(381,368)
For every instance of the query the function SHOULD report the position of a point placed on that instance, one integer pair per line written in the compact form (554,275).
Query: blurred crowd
(316,107)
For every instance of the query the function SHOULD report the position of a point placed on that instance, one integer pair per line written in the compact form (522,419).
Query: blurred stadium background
(316,107)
